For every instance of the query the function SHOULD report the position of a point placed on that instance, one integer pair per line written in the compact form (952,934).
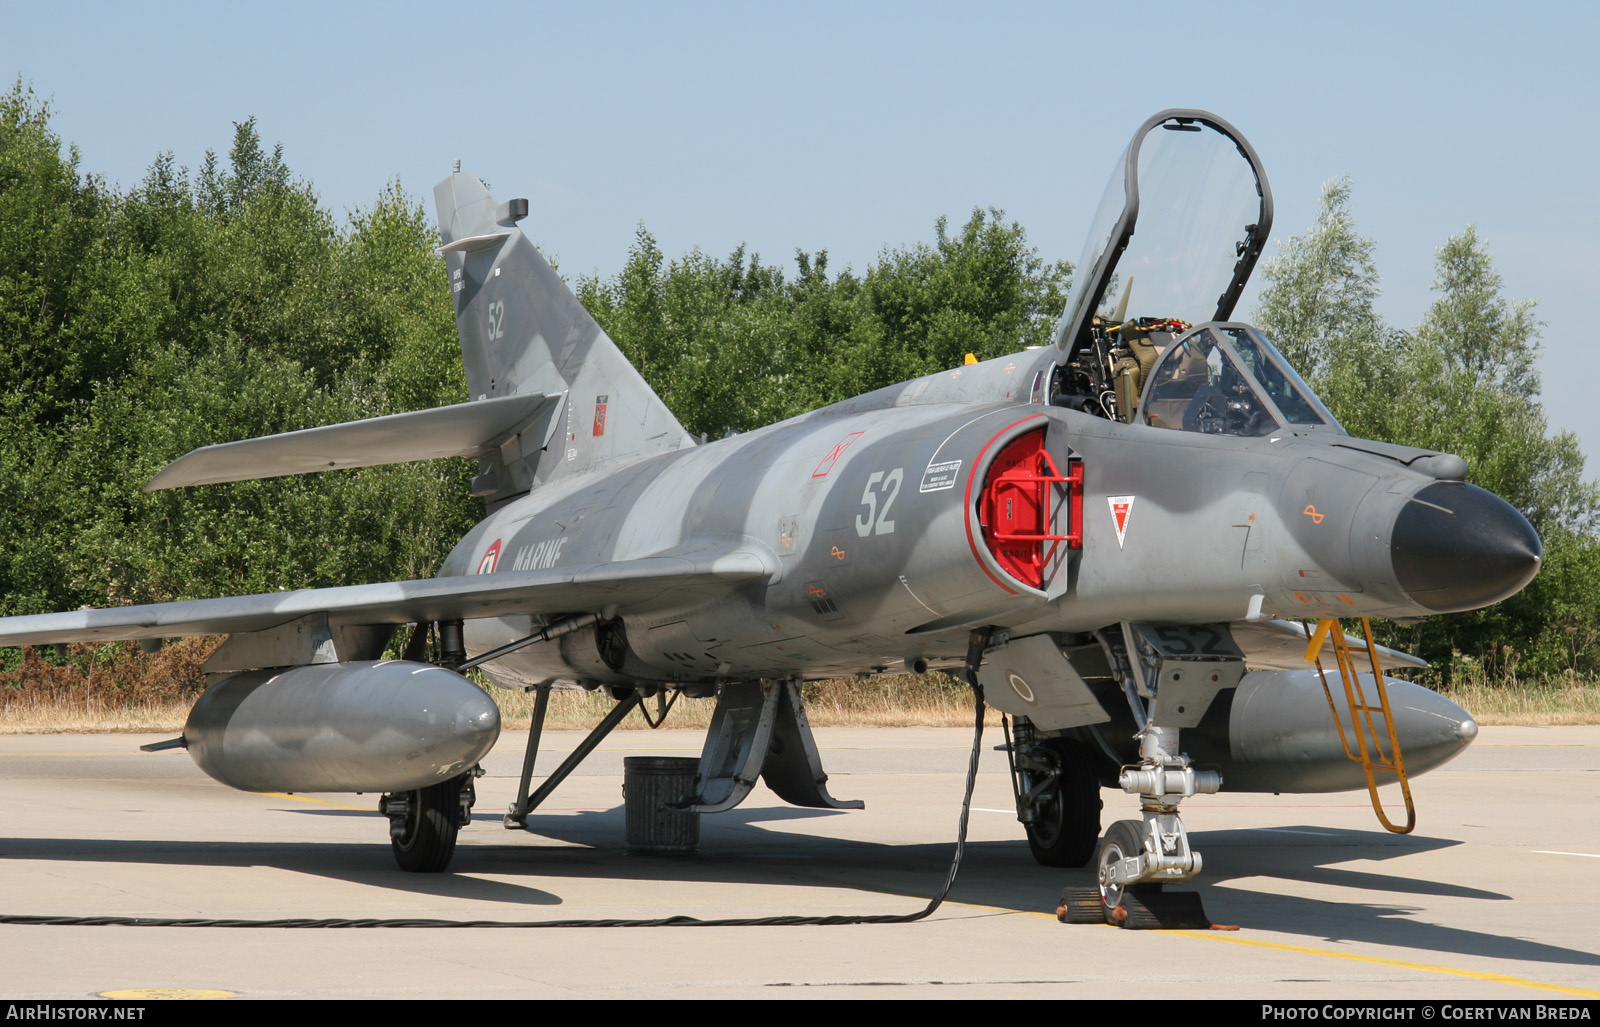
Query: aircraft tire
(429,839)
(1069,824)
(1125,838)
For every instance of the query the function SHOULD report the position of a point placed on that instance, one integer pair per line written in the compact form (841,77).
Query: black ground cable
(974,655)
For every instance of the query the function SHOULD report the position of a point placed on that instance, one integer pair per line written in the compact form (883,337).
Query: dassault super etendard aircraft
(1109,534)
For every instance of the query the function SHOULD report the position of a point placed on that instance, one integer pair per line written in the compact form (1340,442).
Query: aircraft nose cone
(1458,547)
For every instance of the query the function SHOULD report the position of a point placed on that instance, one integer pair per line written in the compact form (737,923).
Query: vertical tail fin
(522,330)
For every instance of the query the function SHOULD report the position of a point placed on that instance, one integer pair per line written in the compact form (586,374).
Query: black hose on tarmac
(975,647)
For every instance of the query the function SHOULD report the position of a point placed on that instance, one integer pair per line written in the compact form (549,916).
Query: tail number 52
(874,520)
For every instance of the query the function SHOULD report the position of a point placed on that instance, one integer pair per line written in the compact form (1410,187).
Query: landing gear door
(1193,188)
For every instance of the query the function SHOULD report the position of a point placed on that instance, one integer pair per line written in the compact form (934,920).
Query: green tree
(733,344)
(188,312)
(1471,384)
(250,172)
(699,330)
(1321,286)
(1468,384)
(1463,381)
(399,317)
(982,290)
(1494,341)
(50,215)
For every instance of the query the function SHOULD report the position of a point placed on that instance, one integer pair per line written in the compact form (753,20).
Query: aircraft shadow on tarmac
(526,869)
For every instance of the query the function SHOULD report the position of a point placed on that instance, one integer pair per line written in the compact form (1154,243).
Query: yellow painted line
(1403,964)
(135,994)
(1233,939)
(317,802)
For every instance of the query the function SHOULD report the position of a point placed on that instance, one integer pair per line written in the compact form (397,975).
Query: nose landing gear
(1170,675)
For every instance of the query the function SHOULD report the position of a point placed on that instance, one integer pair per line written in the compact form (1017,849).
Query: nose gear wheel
(1124,840)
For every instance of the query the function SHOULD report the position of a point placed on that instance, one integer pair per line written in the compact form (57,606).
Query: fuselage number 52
(874,520)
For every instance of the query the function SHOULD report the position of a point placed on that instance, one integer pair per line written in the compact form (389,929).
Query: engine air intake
(1015,508)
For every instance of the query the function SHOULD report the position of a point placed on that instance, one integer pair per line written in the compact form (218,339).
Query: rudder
(522,330)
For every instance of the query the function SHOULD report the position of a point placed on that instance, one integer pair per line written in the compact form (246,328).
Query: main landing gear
(1058,796)
(423,824)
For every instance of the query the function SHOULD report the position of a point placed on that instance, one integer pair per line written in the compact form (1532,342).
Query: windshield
(1200,387)
(1229,380)
(1292,396)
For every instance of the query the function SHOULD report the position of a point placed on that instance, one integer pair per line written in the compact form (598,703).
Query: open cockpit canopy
(1178,232)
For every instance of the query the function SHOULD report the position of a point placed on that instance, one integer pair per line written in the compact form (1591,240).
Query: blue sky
(852,127)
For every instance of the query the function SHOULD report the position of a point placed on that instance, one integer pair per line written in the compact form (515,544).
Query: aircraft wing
(653,582)
(1281,645)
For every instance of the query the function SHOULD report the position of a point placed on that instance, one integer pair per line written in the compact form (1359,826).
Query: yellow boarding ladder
(1368,742)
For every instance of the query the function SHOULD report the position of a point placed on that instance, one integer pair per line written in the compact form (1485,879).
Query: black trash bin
(648,784)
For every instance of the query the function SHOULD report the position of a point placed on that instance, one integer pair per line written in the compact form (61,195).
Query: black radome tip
(1459,547)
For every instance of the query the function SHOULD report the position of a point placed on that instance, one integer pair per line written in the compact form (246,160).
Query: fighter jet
(1113,536)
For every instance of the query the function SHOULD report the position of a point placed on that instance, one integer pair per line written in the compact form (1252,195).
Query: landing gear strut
(1170,675)
(1157,849)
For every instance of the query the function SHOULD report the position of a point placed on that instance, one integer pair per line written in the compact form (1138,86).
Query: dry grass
(1573,700)
(107,687)
(115,687)
(933,700)
(41,718)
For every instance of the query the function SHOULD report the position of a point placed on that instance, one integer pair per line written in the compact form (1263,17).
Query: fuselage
(879,516)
